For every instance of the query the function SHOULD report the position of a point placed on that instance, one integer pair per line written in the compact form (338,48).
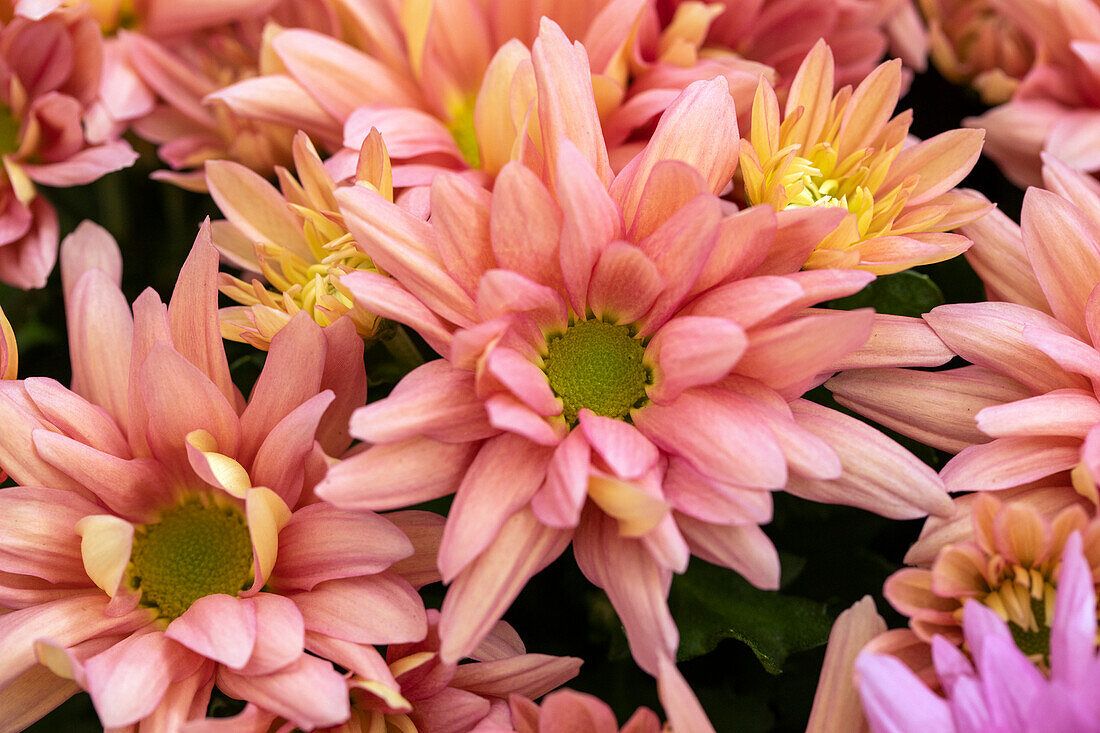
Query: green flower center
(9,130)
(195,550)
(599,366)
(462,130)
(1033,642)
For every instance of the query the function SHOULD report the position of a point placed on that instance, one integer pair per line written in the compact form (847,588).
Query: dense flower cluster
(597,262)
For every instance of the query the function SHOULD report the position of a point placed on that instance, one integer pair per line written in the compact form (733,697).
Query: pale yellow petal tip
(105,545)
(267,514)
(9,351)
(389,696)
(1083,482)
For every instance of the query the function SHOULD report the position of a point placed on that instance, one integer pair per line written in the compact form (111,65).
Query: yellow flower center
(597,365)
(1025,600)
(195,549)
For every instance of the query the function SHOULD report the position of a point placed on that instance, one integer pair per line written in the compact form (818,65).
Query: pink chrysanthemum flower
(599,332)
(163,536)
(295,237)
(1028,408)
(780,34)
(450,83)
(51,69)
(973,42)
(998,688)
(414,692)
(845,152)
(1010,565)
(1056,107)
(568,710)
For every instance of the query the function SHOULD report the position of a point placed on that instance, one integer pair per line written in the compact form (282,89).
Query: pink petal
(506,473)
(1062,412)
(530,675)
(481,594)
(745,549)
(279,464)
(720,441)
(744,241)
(73,416)
(83,167)
(89,247)
(280,99)
(512,416)
(385,297)
(872,478)
(895,699)
(309,692)
(1008,462)
(449,711)
(346,377)
(460,214)
(624,284)
(38,535)
(999,258)
(219,627)
(321,542)
(100,330)
(625,450)
(369,609)
(1073,632)
(280,634)
(560,500)
(503,292)
(394,475)
(678,699)
(21,418)
(128,681)
(525,224)
(425,531)
(691,351)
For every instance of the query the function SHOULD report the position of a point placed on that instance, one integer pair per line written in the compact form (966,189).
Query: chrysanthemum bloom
(972,42)
(163,536)
(844,151)
(599,332)
(451,84)
(295,238)
(781,34)
(183,70)
(998,688)
(1028,409)
(1056,108)
(569,710)
(836,705)
(1010,565)
(414,692)
(41,137)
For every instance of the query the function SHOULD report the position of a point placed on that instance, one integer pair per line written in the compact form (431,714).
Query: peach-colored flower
(163,536)
(1056,108)
(295,238)
(1010,564)
(1028,408)
(972,42)
(844,151)
(42,139)
(568,710)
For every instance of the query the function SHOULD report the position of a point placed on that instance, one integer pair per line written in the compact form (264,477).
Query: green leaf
(711,604)
(907,293)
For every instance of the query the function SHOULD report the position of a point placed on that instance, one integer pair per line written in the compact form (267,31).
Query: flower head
(295,238)
(998,687)
(599,331)
(845,152)
(176,539)
(1010,565)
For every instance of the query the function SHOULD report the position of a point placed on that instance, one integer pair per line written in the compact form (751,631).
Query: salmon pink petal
(21,419)
(1063,247)
(936,408)
(1062,412)
(309,692)
(525,224)
(636,586)
(393,475)
(321,542)
(999,258)
(1008,462)
(369,609)
(299,349)
(385,297)
(744,240)
(405,247)
(678,699)
(128,681)
(692,351)
(745,549)
(346,376)
(897,341)
(484,590)
(799,232)
(218,627)
(590,222)
(870,107)
(425,531)
(747,302)
(180,399)
(525,380)
(32,695)
(940,163)
(837,699)
(193,314)
(279,462)
(84,166)
(503,292)
(574,711)
(624,284)
(512,416)
(506,473)
(560,500)
(530,675)
(567,105)
(408,132)
(721,442)
(280,634)
(873,478)
(100,326)
(75,417)
(89,247)
(39,535)
(1068,352)
(450,710)
(280,99)
(992,335)
(625,450)
(460,213)
(435,400)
